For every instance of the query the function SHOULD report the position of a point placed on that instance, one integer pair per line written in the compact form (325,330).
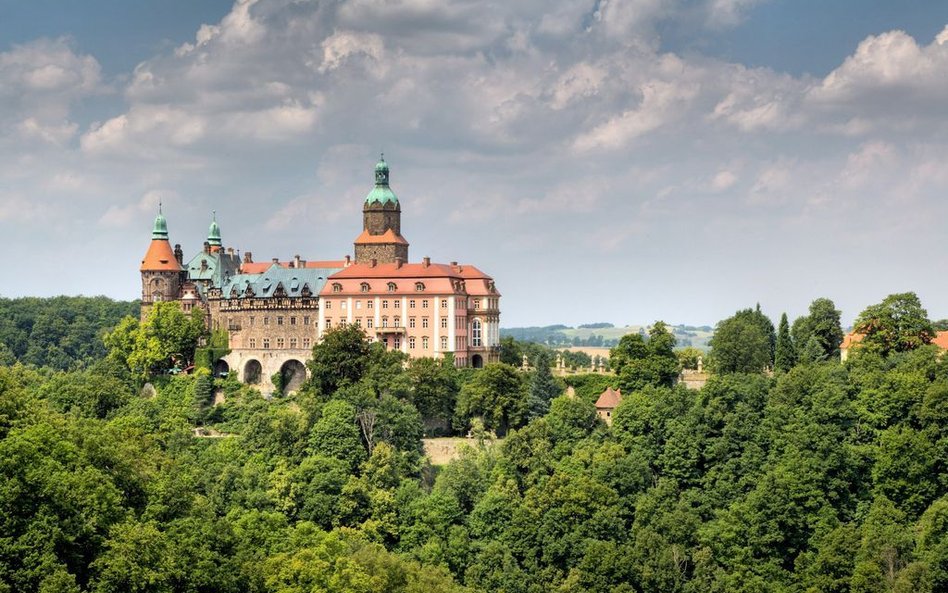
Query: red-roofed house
(852,339)
(607,403)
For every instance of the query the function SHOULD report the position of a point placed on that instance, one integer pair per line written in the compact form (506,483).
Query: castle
(275,312)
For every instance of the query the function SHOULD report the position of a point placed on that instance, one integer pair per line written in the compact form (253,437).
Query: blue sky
(650,159)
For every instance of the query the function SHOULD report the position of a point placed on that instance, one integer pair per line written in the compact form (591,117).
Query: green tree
(743,343)
(339,359)
(897,324)
(336,435)
(496,394)
(822,322)
(543,387)
(784,357)
(167,338)
(640,363)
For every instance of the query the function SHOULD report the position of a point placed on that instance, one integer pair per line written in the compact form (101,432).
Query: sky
(603,160)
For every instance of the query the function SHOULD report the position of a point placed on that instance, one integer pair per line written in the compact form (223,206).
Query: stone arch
(221,368)
(253,372)
(292,373)
(477,361)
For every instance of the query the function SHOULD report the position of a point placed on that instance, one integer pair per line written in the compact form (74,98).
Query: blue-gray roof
(294,282)
(219,266)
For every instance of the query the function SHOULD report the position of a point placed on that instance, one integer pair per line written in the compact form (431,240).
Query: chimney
(276,260)
(454,264)
(398,263)
(178,253)
(230,251)
(372,262)
(348,261)
(207,247)
(297,261)
(425,262)
(248,257)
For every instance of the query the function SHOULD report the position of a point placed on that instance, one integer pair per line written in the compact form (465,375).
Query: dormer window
(364,287)
(392,287)
(419,286)
(336,287)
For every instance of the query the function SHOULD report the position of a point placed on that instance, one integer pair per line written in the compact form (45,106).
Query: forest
(789,471)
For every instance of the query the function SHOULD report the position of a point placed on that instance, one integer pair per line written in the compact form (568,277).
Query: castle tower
(381,237)
(161,271)
(214,235)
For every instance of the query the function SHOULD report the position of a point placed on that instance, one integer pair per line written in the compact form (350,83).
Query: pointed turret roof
(160,256)
(214,232)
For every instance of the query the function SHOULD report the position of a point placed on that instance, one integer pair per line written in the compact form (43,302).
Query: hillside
(596,335)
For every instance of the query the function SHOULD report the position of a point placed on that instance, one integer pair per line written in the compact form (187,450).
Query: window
(396,321)
(476,333)
(292,342)
(419,286)
(358,322)
(336,287)
(266,321)
(280,320)
(444,342)
(444,323)
(266,343)
(444,303)
(397,304)
(424,322)
(328,323)
(392,287)
(292,320)
(476,304)
(369,304)
(306,343)
(306,320)
(385,322)
(398,343)
(424,303)
(411,322)
(253,343)
(329,304)
(280,343)
(411,343)
(369,322)
(364,287)
(411,304)
(424,342)
(358,304)
(343,305)
(251,322)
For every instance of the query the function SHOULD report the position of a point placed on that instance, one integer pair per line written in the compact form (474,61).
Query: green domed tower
(214,234)
(381,237)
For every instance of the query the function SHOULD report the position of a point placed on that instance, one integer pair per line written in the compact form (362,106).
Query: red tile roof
(609,399)
(160,258)
(852,338)
(261,267)
(388,236)
(941,340)
(418,270)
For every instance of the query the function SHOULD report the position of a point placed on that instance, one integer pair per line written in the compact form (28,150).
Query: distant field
(561,337)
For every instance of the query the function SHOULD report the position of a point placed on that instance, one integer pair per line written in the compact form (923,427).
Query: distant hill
(603,334)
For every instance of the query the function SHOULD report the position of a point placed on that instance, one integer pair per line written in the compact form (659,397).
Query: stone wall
(383,253)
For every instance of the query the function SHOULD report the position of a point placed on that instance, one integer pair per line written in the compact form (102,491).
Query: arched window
(364,287)
(419,286)
(476,333)
(392,287)
(336,287)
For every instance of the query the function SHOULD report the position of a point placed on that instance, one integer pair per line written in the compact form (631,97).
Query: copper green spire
(160,230)
(214,232)
(382,193)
